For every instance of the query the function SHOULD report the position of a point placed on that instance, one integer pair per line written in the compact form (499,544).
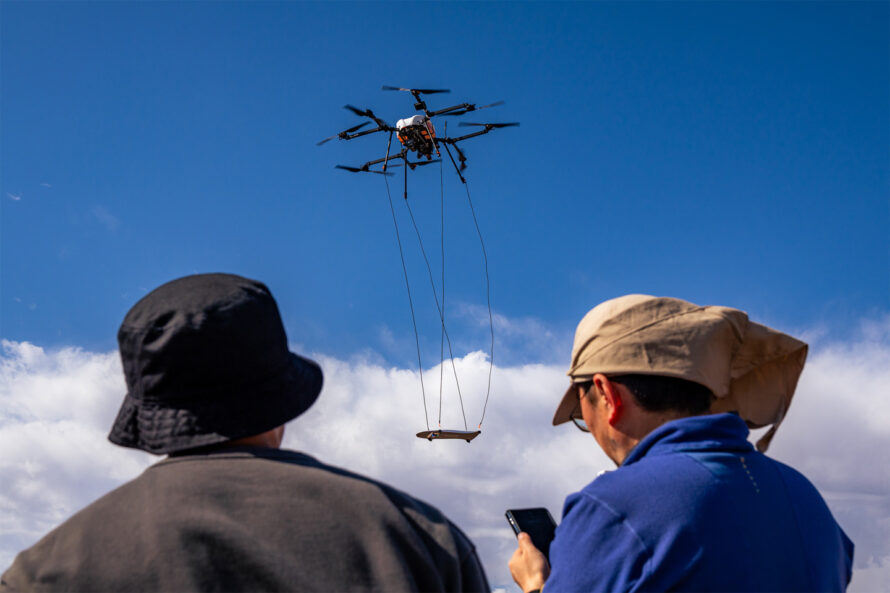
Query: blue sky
(726,153)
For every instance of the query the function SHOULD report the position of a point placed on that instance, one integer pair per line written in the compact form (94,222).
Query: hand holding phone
(537,523)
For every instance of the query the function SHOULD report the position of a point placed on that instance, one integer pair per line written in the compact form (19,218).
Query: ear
(614,399)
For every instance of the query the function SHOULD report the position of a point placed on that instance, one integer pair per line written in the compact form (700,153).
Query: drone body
(416,134)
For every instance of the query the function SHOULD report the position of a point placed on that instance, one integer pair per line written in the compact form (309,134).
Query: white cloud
(838,432)
(519,339)
(57,407)
(54,457)
(14,197)
(108,220)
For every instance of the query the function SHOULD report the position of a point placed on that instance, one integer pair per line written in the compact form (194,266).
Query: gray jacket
(251,519)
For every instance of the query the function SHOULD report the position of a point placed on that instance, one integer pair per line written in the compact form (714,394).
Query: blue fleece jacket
(695,508)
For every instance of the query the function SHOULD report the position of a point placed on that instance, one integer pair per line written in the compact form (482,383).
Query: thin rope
(441,316)
(410,301)
(442,336)
(488,298)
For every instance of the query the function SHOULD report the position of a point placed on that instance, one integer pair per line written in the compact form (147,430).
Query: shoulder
(814,518)
(248,495)
(675,476)
(594,528)
(794,480)
(294,472)
(66,550)
(446,545)
(421,515)
(616,520)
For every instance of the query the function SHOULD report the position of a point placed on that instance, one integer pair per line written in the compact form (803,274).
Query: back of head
(656,393)
(206,360)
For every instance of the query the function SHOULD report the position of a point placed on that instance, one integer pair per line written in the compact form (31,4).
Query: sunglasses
(577,417)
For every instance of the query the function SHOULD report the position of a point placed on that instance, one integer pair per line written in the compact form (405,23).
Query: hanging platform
(467,435)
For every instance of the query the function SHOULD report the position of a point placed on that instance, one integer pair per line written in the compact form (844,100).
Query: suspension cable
(488,298)
(441,315)
(442,335)
(410,301)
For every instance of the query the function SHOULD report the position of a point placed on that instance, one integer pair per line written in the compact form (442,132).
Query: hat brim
(566,406)
(167,427)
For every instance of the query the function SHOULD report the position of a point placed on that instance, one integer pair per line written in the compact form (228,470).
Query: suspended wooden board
(467,435)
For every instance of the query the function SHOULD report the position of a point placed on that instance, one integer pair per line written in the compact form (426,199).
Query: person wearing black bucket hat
(206,361)
(211,383)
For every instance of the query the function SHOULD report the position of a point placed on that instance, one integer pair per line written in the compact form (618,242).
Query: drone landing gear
(467,435)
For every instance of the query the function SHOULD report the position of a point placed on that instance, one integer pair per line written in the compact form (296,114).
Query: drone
(416,134)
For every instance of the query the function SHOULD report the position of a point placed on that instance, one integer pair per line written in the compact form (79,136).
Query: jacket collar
(723,432)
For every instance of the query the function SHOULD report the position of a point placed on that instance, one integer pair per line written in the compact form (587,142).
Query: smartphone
(538,523)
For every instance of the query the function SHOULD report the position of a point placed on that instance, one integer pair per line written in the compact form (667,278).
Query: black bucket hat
(206,360)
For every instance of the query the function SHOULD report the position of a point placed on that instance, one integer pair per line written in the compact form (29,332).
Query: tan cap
(750,368)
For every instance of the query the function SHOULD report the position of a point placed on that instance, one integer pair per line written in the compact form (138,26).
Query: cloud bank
(56,408)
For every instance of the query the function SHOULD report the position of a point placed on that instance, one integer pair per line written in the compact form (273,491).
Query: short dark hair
(657,393)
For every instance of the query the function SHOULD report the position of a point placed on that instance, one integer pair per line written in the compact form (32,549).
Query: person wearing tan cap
(669,391)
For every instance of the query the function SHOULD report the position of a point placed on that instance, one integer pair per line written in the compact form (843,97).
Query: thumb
(525,542)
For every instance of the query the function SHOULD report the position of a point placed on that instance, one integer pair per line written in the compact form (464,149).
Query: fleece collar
(718,432)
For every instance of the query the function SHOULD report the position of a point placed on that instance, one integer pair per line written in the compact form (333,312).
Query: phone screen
(538,523)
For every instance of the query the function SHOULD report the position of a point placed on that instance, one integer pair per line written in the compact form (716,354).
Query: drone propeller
(343,133)
(417,163)
(359,112)
(425,91)
(381,125)
(461,156)
(474,108)
(360,170)
(504,125)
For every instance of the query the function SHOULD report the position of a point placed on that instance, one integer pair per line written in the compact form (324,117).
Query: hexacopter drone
(417,134)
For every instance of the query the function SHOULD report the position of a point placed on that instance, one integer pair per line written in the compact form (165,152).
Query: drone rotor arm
(367,113)
(464,108)
(486,128)
(366,168)
(511,124)
(366,132)
(400,155)
(454,110)
(468,136)
(360,170)
(345,134)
